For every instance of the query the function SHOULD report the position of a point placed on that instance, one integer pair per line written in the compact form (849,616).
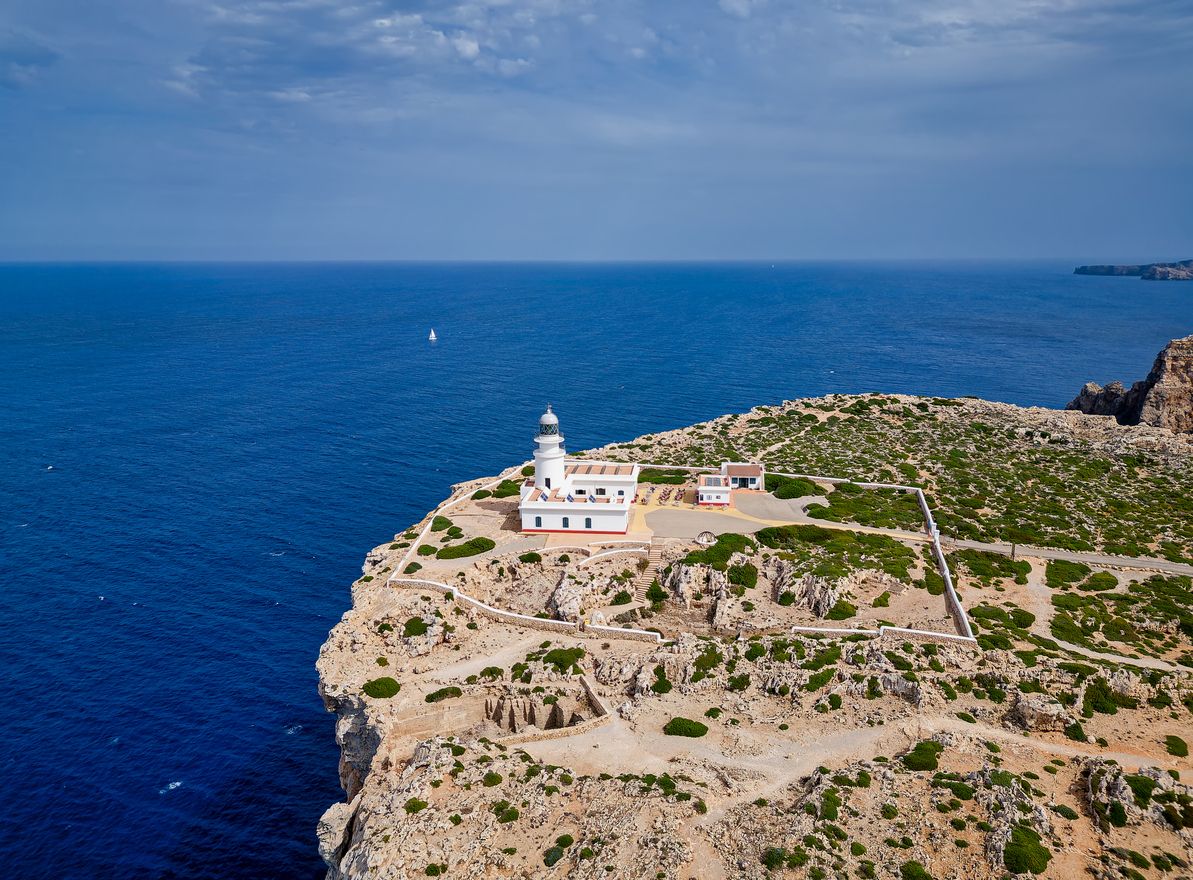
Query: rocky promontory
(1163,400)
(795,699)
(1182,270)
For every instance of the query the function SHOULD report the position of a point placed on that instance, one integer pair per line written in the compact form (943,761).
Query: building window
(581,491)
(621,492)
(565,523)
(600,490)
(588,522)
(538,522)
(547,480)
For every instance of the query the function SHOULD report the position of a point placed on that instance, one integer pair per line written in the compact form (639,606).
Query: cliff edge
(1163,400)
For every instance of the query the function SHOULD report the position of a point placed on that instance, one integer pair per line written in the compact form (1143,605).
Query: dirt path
(1040,599)
(1144,563)
(932,724)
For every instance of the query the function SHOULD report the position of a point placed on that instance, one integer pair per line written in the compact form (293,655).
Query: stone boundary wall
(834,631)
(605,554)
(557,733)
(546,624)
(598,705)
(639,635)
(602,717)
(924,635)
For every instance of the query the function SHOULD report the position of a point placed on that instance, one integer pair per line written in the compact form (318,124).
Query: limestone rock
(1163,400)
(684,581)
(819,594)
(1039,712)
(334,830)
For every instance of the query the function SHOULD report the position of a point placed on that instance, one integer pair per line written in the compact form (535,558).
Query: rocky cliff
(1181,270)
(1163,400)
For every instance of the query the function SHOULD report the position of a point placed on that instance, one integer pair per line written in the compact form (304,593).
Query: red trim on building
(570,532)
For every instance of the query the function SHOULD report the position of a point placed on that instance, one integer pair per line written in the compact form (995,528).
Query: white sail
(432,337)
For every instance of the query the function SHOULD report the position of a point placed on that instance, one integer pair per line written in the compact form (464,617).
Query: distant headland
(1182,270)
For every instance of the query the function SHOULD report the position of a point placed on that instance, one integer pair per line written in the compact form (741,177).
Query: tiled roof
(599,469)
(743,470)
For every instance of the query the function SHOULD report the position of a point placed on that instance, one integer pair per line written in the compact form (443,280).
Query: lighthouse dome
(549,422)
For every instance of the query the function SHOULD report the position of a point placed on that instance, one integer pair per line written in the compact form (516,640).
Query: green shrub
(471,547)
(413,627)
(426,550)
(481,494)
(563,659)
(923,756)
(1024,852)
(552,855)
(744,575)
(411,568)
(655,594)
(662,477)
(1061,573)
(414,805)
(530,556)
(1065,811)
(718,554)
(1176,746)
(684,727)
(507,488)
(914,871)
(661,684)
(841,611)
(443,694)
(381,688)
(491,778)
(439,523)
(623,597)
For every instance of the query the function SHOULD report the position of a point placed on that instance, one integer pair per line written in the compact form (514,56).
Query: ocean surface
(194,460)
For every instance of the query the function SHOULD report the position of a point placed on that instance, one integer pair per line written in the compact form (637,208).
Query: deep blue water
(226,442)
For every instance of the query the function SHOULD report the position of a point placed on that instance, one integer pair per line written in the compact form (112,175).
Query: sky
(596,129)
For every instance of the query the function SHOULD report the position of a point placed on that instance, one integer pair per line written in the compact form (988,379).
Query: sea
(195,458)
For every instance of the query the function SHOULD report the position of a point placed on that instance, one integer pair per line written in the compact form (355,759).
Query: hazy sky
(596,129)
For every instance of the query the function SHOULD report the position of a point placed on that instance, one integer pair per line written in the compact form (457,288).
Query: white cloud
(739,8)
(466,47)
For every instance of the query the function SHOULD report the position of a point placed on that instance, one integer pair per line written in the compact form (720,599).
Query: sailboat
(432,337)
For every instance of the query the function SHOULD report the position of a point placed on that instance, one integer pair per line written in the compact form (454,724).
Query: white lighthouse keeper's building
(576,495)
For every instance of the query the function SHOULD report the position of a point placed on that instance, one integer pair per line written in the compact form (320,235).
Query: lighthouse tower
(549,454)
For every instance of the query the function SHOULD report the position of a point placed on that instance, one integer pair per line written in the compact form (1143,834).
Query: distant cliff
(1182,270)
(1164,399)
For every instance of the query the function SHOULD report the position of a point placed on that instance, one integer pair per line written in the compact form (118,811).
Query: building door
(538,522)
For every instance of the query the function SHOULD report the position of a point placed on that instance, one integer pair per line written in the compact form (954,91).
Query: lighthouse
(549,453)
(578,495)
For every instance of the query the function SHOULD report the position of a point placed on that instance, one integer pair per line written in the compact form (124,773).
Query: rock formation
(1163,400)
(1178,271)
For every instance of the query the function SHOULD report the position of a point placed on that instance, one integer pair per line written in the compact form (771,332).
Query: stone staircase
(654,559)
